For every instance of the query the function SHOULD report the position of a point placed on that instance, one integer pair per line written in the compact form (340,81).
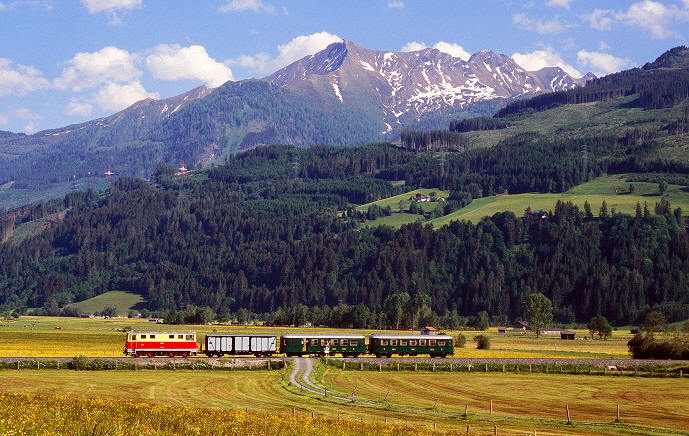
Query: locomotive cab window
(133,337)
(190,338)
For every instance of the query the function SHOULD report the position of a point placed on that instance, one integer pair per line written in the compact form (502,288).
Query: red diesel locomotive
(160,344)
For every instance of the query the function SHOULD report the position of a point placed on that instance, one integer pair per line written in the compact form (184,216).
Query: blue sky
(67,61)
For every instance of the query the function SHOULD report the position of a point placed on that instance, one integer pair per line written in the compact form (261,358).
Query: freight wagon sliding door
(263,344)
(219,343)
(241,344)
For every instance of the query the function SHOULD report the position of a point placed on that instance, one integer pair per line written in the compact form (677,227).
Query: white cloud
(601,63)
(559,3)
(655,18)
(601,19)
(651,16)
(452,49)
(544,58)
(78,106)
(95,6)
(89,70)
(25,114)
(115,96)
(294,50)
(553,26)
(173,62)
(245,5)
(19,79)
(397,4)
(2,6)
(4,119)
(414,46)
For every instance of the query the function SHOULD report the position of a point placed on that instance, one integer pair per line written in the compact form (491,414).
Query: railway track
(246,360)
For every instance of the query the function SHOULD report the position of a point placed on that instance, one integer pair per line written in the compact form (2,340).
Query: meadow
(31,336)
(521,403)
(613,189)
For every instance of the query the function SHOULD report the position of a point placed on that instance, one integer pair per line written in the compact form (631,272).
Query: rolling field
(613,189)
(119,300)
(522,404)
(603,188)
(97,337)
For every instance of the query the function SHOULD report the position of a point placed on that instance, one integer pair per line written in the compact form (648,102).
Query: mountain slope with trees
(274,231)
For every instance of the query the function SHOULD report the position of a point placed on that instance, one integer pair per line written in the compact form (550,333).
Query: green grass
(119,300)
(613,189)
(521,402)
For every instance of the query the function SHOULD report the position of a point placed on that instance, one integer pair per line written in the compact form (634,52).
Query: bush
(461,341)
(482,342)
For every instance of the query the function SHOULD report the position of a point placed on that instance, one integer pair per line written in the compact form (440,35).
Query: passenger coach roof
(377,336)
(294,336)
(160,333)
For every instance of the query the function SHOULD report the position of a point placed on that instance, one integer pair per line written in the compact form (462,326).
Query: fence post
(618,414)
(491,407)
(495,430)
(567,408)
(466,410)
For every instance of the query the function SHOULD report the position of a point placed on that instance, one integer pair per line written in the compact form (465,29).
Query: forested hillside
(275,231)
(249,235)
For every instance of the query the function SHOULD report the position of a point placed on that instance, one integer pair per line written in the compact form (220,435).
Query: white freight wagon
(258,345)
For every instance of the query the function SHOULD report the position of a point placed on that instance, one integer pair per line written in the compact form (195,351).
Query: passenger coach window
(180,336)
(422,342)
(314,341)
(190,337)
(412,342)
(431,342)
(403,342)
(143,336)
(353,343)
(384,342)
(153,336)
(441,343)
(172,336)
(334,341)
(343,342)
(393,342)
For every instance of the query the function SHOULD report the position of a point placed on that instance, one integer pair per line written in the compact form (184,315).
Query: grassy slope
(35,336)
(120,300)
(603,188)
(521,402)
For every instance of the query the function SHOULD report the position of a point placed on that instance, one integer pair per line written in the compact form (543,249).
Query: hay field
(97,337)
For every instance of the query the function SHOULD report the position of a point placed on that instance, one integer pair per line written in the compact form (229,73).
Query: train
(184,344)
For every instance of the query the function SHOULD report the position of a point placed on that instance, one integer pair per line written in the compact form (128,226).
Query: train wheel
(172,354)
(185,354)
(150,354)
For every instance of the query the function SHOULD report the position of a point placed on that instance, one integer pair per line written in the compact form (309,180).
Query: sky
(64,62)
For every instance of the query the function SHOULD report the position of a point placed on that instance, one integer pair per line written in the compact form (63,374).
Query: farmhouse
(521,325)
(429,331)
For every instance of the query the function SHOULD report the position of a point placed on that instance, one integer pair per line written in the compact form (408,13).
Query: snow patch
(366,66)
(336,87)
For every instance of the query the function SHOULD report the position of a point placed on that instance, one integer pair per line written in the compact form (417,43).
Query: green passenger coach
(411,345)
(323,345)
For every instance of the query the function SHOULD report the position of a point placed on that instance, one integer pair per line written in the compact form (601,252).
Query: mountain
(398,88)
(343,95)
